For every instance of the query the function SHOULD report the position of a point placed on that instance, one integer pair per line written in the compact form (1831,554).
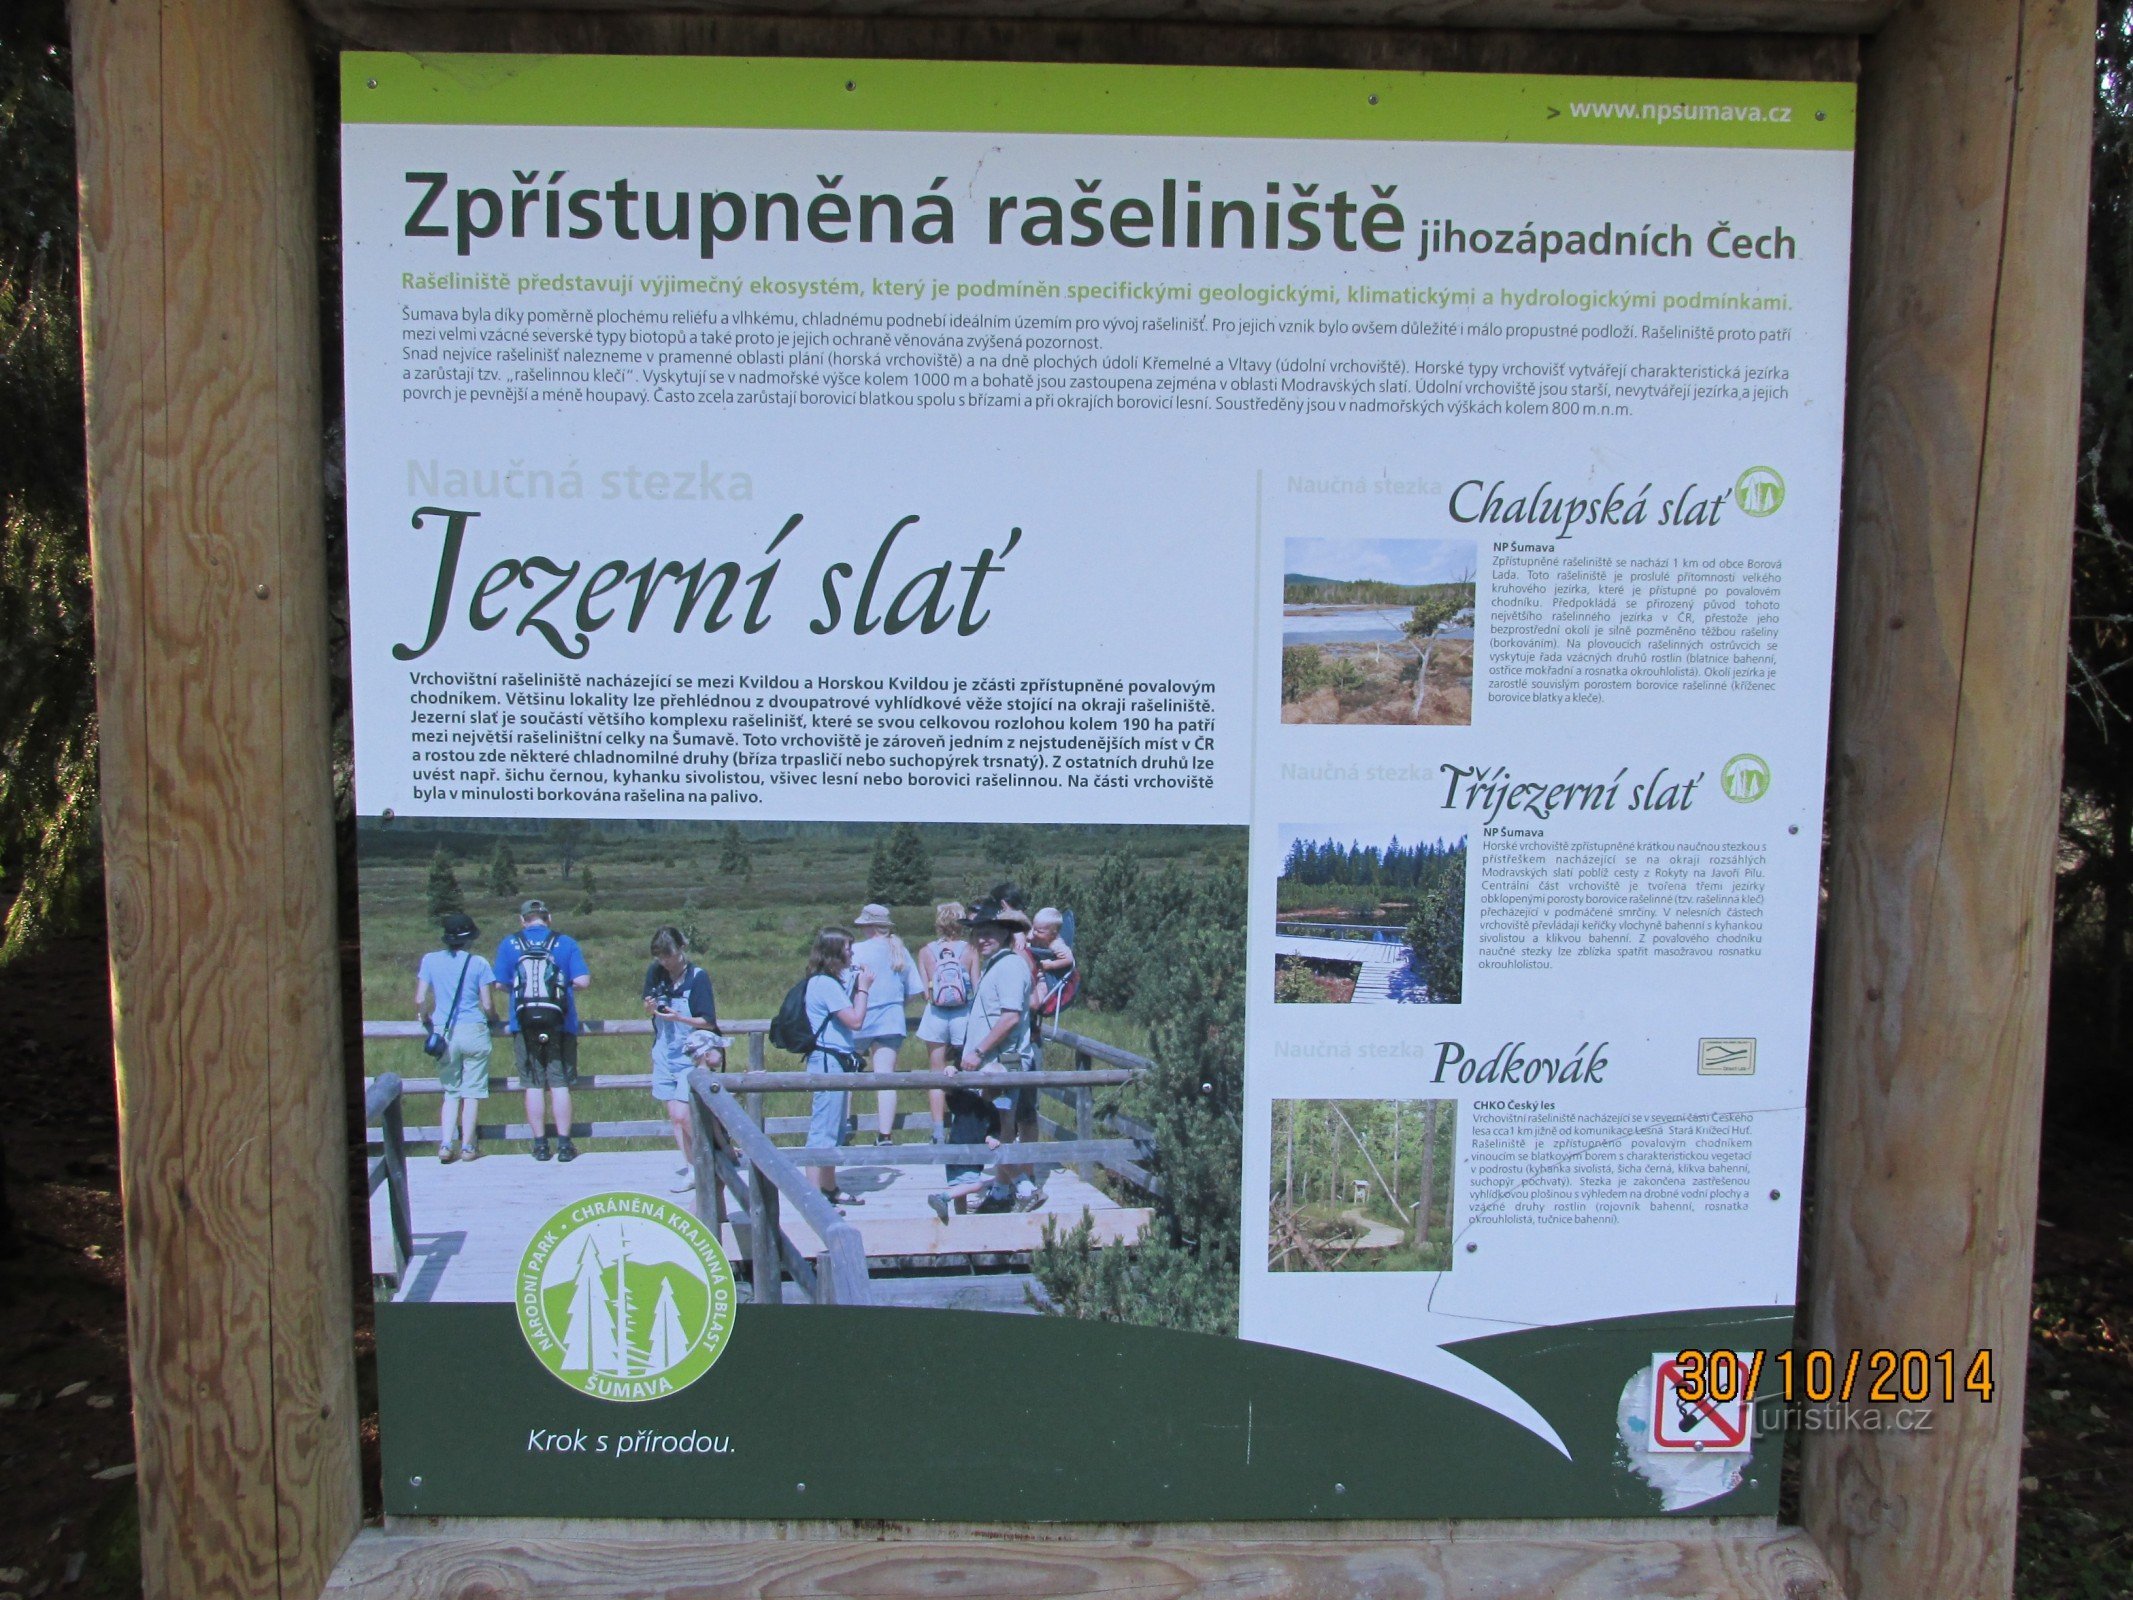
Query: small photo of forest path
(1361,1186)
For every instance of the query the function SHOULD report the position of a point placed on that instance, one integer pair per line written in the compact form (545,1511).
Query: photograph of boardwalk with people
(1361,1186)
(830,1041)
(1369,924)
(1378,631)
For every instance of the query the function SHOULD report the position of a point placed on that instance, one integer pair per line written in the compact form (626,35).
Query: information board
(1301,597)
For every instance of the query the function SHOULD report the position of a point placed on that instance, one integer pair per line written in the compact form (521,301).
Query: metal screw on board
(1472,1247)
(1821,116)
(1373,99)
(1795,828)
(1773,1194)
(1340,1488)
(1207,1088)
(370,83)
(260,590)
(849,85)
(800,1488)
(415,1482)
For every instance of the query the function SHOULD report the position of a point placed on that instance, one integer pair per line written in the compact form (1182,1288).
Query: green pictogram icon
(1759,491)
(1745,778)
(625,1297)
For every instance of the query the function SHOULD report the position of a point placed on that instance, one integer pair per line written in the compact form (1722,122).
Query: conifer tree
(733,853)
(900,871)
(503,872)
(568,835)
(444,898)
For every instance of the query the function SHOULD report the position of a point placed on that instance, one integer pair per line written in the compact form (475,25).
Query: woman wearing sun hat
(881,955)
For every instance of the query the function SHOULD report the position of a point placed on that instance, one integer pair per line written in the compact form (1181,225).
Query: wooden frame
(197,172)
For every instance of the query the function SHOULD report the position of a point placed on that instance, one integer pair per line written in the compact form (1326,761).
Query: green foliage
(1156,1284)
(1298,589)
(1344,675)
(503,872)
(1169,947)
(1313,863)
(48,801)
(442,897)
(1443,604)
(1294,985)
(900,873)
(733,852)
(1303,671)
(1437,934)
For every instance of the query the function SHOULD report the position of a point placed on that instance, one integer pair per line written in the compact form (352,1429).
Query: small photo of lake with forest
(1378,631)
(1359,922)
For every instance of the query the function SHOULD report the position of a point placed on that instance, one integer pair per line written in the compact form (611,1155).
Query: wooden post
(1951,663)
(199,283)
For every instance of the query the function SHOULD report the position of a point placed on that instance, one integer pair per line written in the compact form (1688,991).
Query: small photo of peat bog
(1378,631)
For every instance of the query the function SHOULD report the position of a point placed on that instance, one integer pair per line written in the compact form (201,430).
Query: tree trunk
(1429,1170)
(1398,1106)
(1288,1173)
(2117,915)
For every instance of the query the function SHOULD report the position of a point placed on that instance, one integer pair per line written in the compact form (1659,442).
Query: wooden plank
(200,300)
(733,1083)
(906,1561)
(989,1233)
(1716,16)
(1951,648)
(1064,1153)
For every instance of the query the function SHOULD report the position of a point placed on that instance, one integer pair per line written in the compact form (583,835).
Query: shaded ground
(65,1407)
(2077,1464)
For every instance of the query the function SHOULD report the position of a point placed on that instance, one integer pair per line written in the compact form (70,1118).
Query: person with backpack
(540,973)
(947,968)
(997,1036)
(819,1020)
(678,999)
(881,955)
(452,1003)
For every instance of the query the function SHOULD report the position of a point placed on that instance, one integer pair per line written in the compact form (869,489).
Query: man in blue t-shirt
(544,1057)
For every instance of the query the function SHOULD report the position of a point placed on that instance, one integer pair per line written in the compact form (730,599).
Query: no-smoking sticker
(1719,1421)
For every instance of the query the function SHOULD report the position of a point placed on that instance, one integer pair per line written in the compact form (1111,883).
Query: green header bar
(1028,97)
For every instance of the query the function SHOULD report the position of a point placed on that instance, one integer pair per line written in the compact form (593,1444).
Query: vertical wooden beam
(1951,662)
(199,284)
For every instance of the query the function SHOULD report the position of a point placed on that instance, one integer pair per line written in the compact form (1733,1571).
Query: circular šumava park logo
(1759,491)
(625,1297)
(1745,778)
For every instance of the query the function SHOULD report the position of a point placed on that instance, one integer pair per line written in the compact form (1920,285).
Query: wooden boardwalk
(1377,962)
(472,1223)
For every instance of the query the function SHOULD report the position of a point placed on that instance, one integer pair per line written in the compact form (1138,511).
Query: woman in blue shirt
(837,999)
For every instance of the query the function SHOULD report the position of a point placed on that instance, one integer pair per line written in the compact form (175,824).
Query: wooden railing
(764,1179)
(1360,932)
(382,1103)
(751,1180)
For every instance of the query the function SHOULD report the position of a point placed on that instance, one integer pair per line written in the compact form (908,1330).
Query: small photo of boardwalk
(1361,1186)
(1361,923)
